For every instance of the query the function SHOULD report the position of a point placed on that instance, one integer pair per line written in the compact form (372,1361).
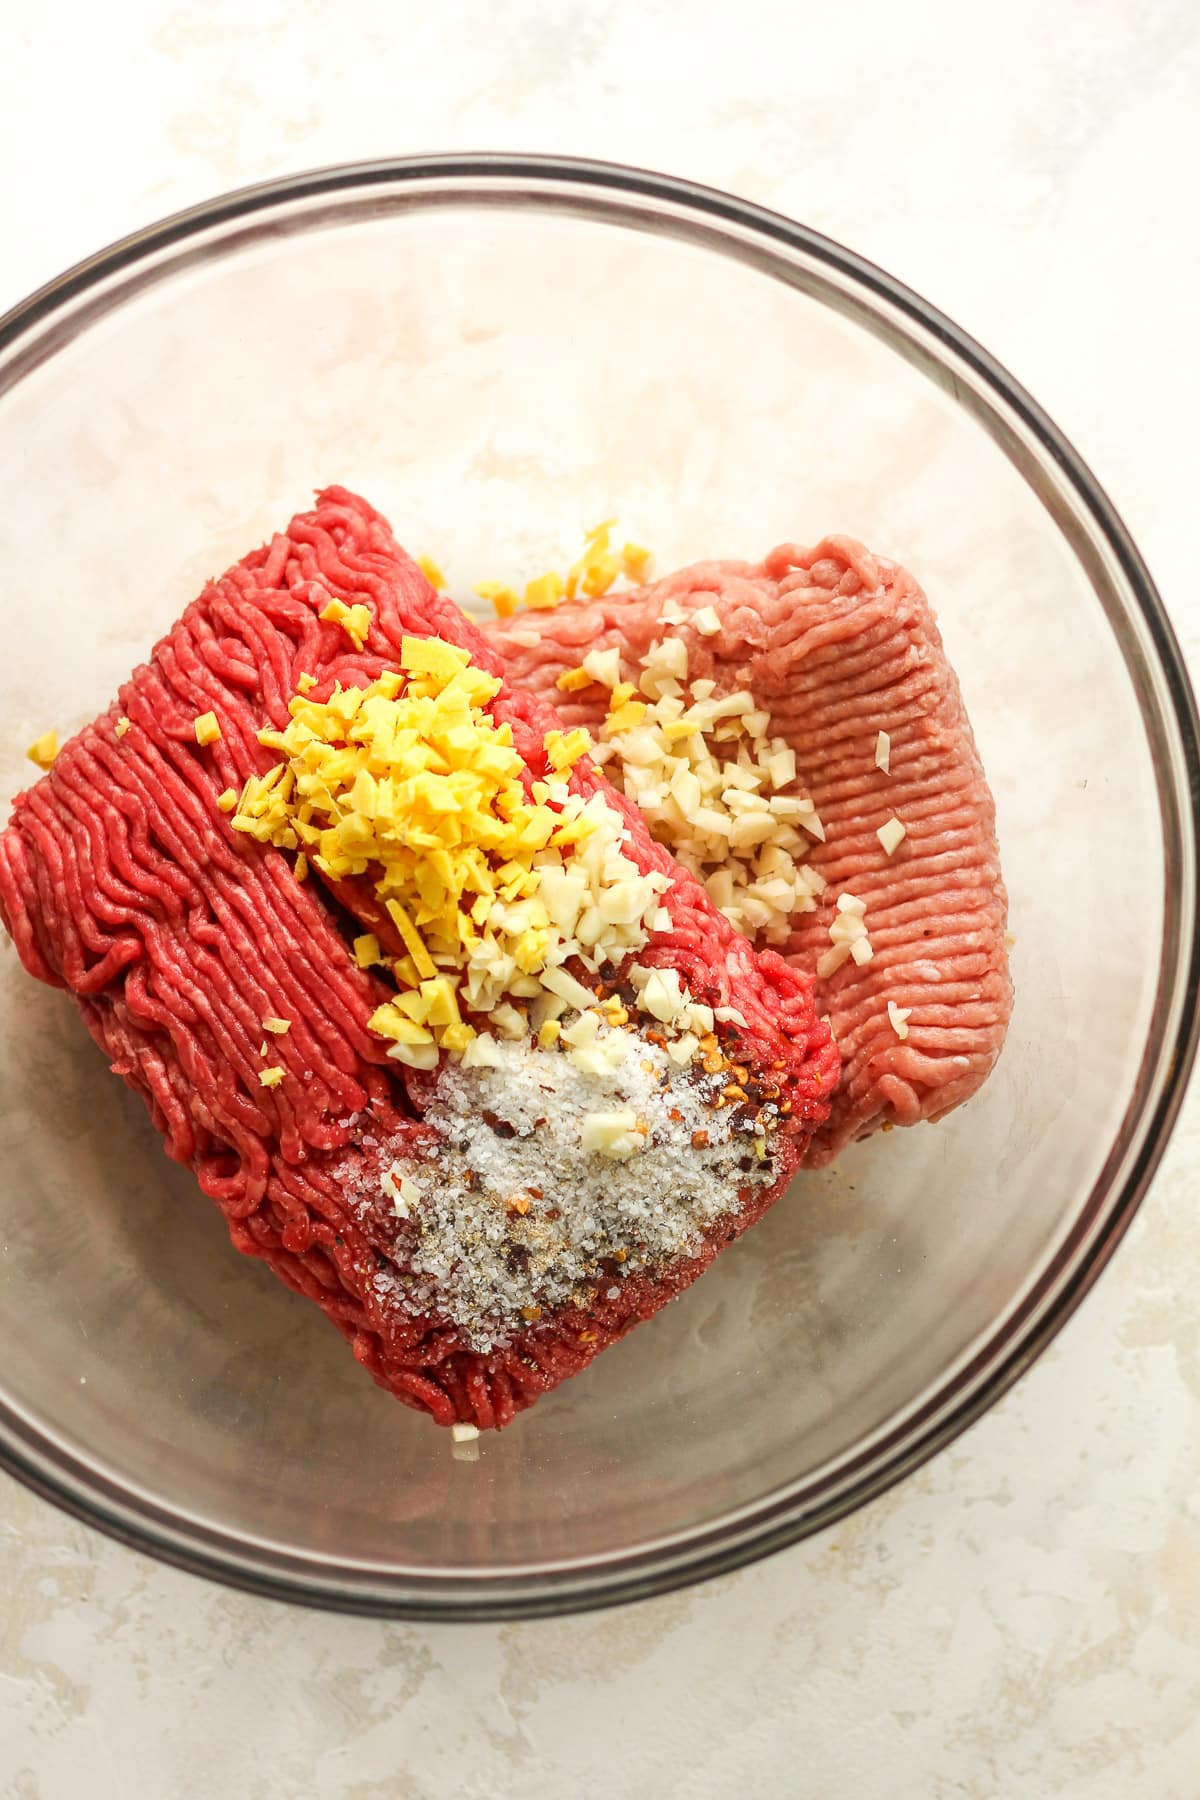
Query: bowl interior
(496,374)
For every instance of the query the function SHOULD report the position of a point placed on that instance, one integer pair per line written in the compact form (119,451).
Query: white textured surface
(1023,1617)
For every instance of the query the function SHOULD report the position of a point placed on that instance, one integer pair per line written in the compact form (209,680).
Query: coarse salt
(519,1130)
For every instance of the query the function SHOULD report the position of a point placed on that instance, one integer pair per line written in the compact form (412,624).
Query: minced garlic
(891,835)
(614,1134)
(712,782)
(847,935)
(898,1017)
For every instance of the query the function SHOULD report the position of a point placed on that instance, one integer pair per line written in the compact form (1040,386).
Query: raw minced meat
(123,879)
(841,646)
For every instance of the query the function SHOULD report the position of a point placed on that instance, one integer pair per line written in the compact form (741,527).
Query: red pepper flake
(674,1116)
(588,1337)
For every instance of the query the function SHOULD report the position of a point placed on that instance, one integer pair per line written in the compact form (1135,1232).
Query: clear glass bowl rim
(70,1482)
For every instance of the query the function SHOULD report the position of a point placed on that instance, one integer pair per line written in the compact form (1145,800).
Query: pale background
(1023,1617)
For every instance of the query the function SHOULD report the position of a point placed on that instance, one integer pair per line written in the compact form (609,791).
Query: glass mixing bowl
(497,351)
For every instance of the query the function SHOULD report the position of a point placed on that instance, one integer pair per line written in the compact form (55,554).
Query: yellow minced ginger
(355,620)
(594,572)
(432,571)
(489,881)
(44,749)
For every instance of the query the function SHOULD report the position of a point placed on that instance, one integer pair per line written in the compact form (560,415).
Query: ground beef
(122,881)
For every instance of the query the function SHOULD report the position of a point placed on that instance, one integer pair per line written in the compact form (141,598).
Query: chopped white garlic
(898,1017)
(891,836)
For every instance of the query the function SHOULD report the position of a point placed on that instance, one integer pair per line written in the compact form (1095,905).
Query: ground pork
(839,645)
